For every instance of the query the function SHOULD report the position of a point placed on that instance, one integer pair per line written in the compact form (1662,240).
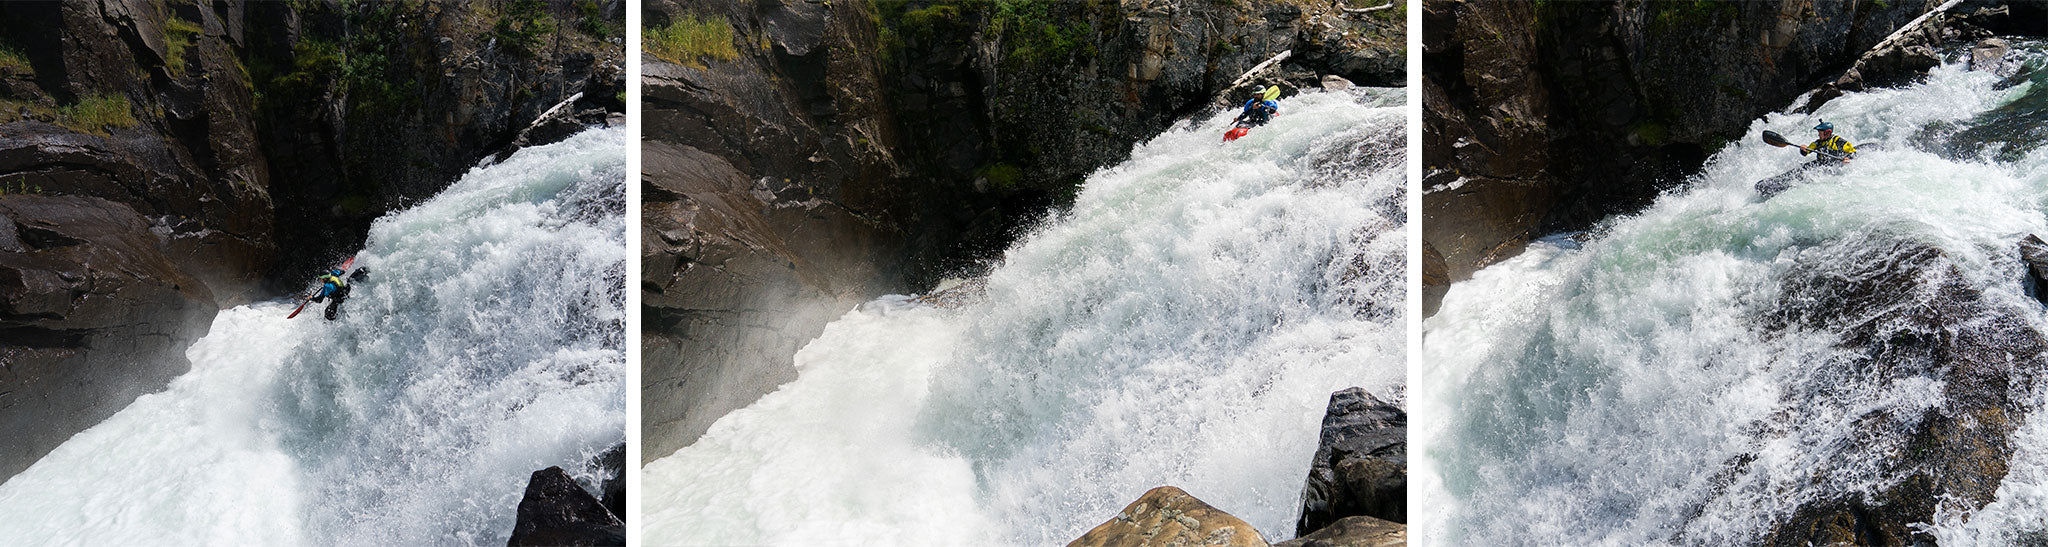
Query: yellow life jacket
(337,281)
(1834,143)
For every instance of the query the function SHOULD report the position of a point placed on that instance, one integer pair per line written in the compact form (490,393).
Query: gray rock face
(852,149)
(612,490)
(558,512)
(1361,464)
(93,314)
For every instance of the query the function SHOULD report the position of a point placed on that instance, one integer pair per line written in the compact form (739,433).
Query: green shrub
(179,35)
(687,39)
(521,25)
(591,19)
(12,62)
(1033,34)
(1002,177)
(95,113)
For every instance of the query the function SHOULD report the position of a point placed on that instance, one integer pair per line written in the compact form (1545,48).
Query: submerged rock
(557,511)
(2034,257)
(1903,314)
(1354,532)
(1169,516)
(1360,466)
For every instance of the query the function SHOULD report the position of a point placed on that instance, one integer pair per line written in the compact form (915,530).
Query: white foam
(485,345)
(1590,396)
(1183,324)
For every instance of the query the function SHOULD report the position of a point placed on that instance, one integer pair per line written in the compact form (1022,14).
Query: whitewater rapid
(1183,324)
(1594,395)
(486,343)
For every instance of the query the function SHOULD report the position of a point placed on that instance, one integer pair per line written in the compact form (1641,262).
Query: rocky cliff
(1546,117)
(159,160)
(802,157)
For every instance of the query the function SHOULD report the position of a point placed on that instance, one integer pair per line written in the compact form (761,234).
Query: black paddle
(1774,139)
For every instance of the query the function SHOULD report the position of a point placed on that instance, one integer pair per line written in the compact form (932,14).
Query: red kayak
(308,299)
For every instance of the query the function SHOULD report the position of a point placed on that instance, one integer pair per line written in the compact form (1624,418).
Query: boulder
(558,512)
(2034,257)
(1169,516)
(612,490)
(1354,532)
(1988,55)
(93,314)
(1899,308)
(1361,464)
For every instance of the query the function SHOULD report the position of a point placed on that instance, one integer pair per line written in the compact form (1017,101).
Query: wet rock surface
(558,512)
(1354,532)
(1361,464)
(1170,516)
(851,149)
(93,313)
(1902,312)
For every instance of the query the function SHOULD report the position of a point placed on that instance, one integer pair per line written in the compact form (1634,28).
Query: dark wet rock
(1169,516)
(733,286)
(612,490)
(1436,280)
(93,313)
(1487,109)
(2034,258)
(1354,532)
(1556,115)
(1902,312)
(1361,464)
(854,149)
(556,511)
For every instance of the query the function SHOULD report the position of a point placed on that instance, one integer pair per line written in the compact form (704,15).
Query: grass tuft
(96,113)
(13,62)
(179,35)
(687,39)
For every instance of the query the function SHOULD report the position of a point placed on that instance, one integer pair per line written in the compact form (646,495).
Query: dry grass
(687,40)
(96,113)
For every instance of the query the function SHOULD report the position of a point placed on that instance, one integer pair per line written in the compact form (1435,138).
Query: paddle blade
(1774,139)
(1235,133)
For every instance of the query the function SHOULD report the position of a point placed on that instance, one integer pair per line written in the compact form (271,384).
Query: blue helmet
(335,272)
(1824,126)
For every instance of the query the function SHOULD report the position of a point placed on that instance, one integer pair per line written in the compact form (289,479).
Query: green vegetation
(353,204)
(1693,12)
(590,20)
(687,39)
(1034,35)
(521,25)
(179,35)
(93,114)
(12,62)
(19,185)
(1652,133)
(1030,31)
(372,66)
(1002,176)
